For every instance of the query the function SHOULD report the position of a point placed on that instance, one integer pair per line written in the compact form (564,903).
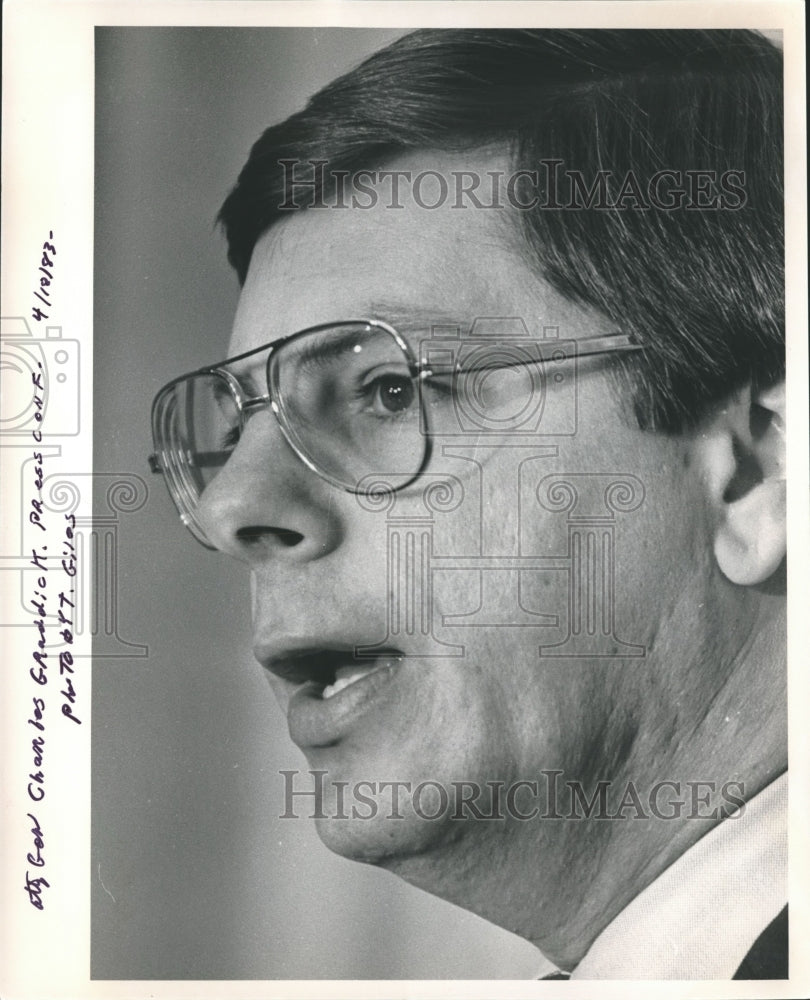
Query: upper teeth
(344,676)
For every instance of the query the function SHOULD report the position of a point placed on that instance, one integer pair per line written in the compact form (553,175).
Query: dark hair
(700,287)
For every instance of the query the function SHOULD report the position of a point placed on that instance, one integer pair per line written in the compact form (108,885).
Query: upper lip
(313,663)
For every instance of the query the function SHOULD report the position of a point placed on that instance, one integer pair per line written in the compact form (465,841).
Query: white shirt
(700,917)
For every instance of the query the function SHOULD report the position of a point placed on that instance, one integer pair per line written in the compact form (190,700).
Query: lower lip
(320,722)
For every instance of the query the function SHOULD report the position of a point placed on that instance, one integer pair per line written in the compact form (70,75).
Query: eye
(390,394)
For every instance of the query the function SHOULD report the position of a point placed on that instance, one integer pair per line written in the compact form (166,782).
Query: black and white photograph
(404,430)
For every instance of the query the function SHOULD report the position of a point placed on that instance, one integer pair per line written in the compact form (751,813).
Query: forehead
(452,263)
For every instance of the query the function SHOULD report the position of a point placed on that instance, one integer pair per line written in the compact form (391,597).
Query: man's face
(460,691)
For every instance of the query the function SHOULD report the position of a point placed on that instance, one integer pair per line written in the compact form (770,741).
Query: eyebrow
(329,347)
(409,319)
(416,325)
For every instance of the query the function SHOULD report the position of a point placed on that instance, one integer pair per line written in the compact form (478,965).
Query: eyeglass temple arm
(611,343)
(596,343)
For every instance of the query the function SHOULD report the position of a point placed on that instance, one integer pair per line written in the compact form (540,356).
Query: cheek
(664,549)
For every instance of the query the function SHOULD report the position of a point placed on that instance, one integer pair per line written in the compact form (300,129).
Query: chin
(384,841)
(381,823)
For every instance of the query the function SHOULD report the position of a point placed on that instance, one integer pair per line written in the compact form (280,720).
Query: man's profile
(500,438)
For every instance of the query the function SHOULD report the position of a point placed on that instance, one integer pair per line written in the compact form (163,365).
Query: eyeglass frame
(419,370)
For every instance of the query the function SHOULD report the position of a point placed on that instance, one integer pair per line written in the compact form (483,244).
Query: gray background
(193,874)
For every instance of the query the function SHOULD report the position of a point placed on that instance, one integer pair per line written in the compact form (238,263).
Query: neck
(561,878)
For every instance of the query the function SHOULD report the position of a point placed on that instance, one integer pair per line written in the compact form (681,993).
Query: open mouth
(330,689)
(327,672)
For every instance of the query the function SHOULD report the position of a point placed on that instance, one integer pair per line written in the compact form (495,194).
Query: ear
(743,455)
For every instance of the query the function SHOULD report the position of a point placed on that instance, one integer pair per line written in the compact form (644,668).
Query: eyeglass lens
(347,403)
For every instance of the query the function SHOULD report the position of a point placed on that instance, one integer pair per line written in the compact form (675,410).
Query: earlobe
(750,541)
(746,475)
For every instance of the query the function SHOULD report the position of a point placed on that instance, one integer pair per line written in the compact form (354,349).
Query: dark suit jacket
(768,957)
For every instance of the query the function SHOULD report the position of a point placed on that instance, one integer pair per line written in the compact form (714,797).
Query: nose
(266,504)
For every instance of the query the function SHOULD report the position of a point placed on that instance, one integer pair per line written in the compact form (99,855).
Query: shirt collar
(700,917)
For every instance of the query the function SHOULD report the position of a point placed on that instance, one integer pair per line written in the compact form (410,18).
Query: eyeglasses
(354,403)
